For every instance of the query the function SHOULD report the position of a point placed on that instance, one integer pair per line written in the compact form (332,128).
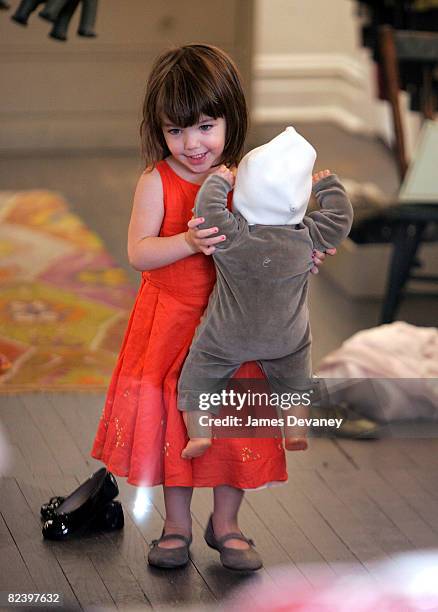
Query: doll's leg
(199,436)
(290,377)
(295,436)
(202,378)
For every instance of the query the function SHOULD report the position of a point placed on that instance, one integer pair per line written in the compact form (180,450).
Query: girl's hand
(226,174)
(200,240)
(318,259)
(320,175)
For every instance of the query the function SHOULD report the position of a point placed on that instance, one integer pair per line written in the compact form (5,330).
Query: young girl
(194,120)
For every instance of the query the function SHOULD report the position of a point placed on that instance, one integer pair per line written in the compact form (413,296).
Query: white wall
(87,93)
(302,26)
(309,65)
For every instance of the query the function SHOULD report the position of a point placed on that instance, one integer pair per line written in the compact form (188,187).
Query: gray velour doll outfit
(258,309)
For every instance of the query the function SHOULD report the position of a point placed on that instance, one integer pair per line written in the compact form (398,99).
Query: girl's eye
(206,127)
(174,131)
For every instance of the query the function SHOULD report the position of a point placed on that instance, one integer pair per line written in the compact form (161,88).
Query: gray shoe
(233,558)
(169,558)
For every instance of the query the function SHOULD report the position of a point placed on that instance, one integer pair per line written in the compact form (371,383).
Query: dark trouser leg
(407,237)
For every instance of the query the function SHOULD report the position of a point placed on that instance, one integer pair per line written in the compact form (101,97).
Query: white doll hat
(274,181)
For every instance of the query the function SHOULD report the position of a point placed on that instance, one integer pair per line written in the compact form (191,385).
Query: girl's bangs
(183,101)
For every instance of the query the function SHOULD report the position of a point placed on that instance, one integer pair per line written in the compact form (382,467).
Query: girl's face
(197,147)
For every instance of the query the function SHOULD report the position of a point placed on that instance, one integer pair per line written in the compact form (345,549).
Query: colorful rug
(64,303)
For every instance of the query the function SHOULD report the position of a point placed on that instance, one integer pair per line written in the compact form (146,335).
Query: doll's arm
(211,204)
(332,223)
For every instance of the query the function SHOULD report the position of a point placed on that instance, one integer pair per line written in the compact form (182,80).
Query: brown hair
(185,83)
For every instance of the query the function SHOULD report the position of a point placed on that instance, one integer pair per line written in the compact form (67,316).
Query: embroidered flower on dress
(105,421)
(249,455)
(119,433)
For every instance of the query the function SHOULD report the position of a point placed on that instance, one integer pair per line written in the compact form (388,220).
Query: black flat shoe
(48,509)
(87,505)
(110,518)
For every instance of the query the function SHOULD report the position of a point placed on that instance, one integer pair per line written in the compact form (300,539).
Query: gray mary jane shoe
(233,558)
(169,558)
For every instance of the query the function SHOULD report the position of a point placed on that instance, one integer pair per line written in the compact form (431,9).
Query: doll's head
(186,83)
(274,181)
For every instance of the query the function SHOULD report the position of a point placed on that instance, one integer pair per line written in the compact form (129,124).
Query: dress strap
(164,170)
(168,174)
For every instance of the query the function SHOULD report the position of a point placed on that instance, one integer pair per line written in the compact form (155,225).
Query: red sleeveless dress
(141,432)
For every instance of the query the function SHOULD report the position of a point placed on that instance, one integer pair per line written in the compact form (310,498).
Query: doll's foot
(196,447)
(295,444)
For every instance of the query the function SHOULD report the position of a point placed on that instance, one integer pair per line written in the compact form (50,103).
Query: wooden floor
(345,502)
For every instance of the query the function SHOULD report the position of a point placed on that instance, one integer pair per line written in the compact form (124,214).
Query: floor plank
(398,510)
(53,430)
(387,452)
(414,494)
(14,575)
(286,531)
(37,454)
(46,572)
(373,521)
(317,529)
(356,536)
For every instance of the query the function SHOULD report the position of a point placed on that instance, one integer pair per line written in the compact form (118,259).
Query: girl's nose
(191,141)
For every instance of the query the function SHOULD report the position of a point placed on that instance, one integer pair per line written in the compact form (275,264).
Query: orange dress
(141,432)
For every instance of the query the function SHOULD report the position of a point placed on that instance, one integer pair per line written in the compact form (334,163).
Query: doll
(258,308)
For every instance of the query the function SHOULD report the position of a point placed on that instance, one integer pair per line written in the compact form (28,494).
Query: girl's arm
(146,250)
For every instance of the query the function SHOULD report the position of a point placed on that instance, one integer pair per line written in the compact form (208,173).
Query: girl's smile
(198,158)
(197,148)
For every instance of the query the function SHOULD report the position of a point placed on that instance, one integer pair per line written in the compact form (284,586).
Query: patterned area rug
(64,303)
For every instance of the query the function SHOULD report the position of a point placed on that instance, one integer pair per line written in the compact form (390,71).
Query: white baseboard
(335,88)
(322,114)
(273,65)
(315,87)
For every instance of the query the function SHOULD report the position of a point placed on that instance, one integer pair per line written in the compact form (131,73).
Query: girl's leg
(178,518)
(227,502)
